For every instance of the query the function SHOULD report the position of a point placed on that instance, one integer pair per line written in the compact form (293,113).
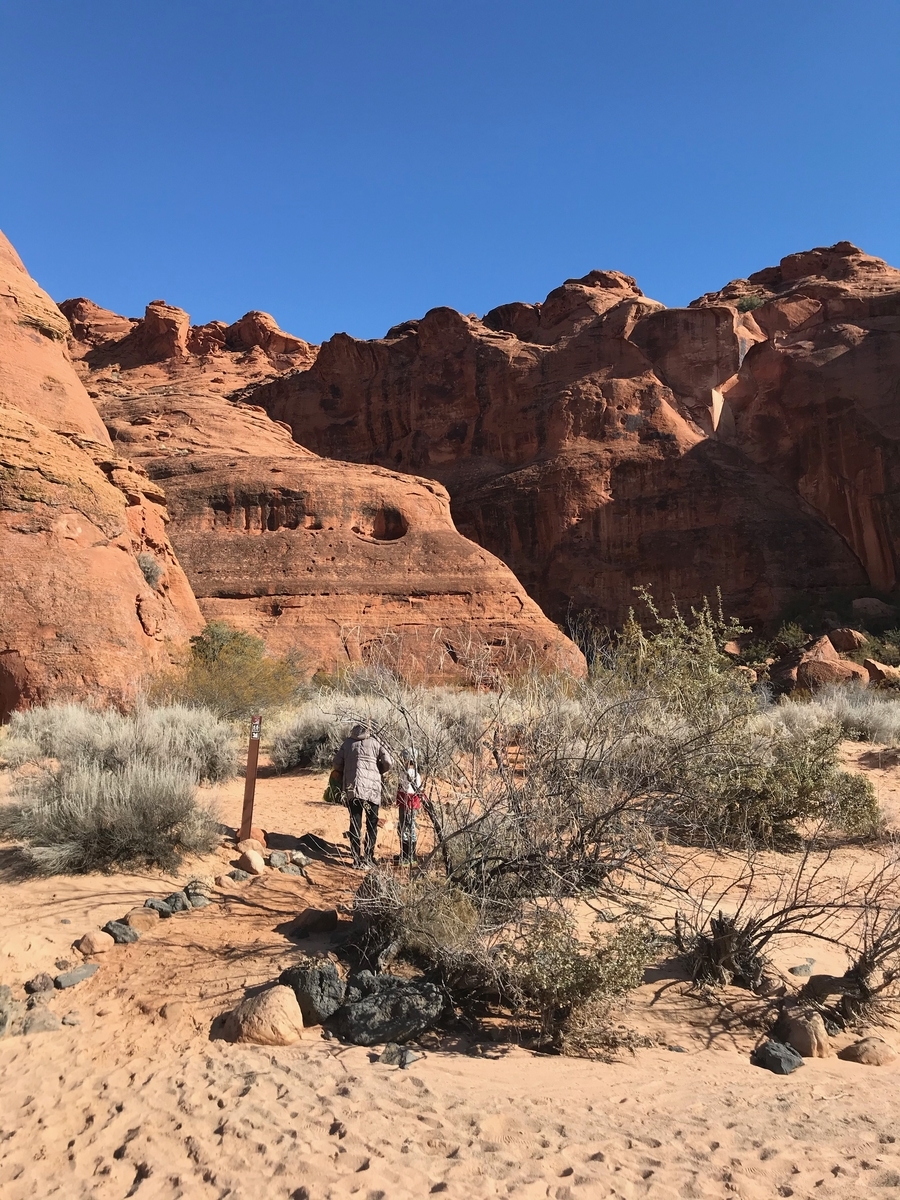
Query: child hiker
(409,801)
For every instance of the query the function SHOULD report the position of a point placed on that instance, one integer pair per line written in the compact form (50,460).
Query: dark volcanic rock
(318,987)
(388,1010)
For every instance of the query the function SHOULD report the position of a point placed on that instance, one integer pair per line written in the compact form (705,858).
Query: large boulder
(882,674)
(806,1032)
(846,640)
(870,1051)
(272,1018)
(388,1009)
(318,987)
(821,665)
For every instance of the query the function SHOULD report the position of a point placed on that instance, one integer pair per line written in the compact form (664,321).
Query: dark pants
(357,808)
(407,834)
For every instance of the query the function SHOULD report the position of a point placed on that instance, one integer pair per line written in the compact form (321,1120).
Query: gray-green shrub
(81,817)
(192,740)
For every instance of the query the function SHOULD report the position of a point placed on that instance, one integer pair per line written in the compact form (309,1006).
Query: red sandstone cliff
(337,561)
(598,441)
(77,615)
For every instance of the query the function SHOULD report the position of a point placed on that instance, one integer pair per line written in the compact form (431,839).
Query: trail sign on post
(250,780)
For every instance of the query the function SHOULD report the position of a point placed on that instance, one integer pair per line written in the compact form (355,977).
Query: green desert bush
(193,740)
(151,568)
(229,673)
(80,817)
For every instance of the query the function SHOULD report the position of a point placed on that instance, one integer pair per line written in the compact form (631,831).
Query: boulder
(122,932)
(158,905)
(290,869)
(806,1033)
(278,859)
(98,941)
(318,987)
(871,609)
(178,902)
(821,665)
(198,900)
(40,983)
(870,1051)
(272,1018)
(41,1020)
(776,1057)
(142,919)
(77,975)
(252,862)
(882,674)
(315,920)
(389,1009)
(239,876)
(846,640)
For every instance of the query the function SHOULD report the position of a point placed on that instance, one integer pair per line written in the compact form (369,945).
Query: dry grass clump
(80,817)
(194,740)
(861,715)
(229,673)
(106,789)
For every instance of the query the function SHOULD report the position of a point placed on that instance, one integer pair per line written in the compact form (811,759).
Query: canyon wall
(80,528)
(598,441)
(333,562)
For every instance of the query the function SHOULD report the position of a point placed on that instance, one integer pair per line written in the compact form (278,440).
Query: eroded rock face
(595,442)
(78,617)
(333,561)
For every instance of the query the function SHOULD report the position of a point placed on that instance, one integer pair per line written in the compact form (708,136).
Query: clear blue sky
(347,164)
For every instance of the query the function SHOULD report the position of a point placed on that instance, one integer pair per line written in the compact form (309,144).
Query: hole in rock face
(383,524)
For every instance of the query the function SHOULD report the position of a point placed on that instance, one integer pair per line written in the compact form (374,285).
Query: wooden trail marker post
(250,779)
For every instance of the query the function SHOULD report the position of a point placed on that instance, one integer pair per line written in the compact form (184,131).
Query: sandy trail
(140,1100)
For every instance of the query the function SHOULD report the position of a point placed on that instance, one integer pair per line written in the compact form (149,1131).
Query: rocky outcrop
(333,562)
(82,531)
(591,442)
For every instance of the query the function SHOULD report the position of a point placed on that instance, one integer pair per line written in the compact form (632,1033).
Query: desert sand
(142,1099)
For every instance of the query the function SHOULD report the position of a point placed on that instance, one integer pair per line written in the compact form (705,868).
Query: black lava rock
(393,1010)
(318,987)
(779,1057)
(40,983)
(160,906)
(178,902)
(121,933)
(239,876)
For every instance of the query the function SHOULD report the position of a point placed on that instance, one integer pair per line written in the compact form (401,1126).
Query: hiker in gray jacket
(361,761)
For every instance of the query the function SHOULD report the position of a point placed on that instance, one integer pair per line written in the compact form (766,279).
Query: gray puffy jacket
(362,760)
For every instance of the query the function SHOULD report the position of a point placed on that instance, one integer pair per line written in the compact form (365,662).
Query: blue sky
(347,165)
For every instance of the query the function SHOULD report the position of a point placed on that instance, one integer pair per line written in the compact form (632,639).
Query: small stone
(259,835)
(677,1049)
(121,933)
(159,906)
(407,1058)
(199,901)
(62,964)
(291,869)
(299,859)
(40,983)
(776,1057)
(178,902)
(71,1018)
(142,919)
(278,859)
(174,1010)
(315,920)
(802,969)
(272,1018)
(239,876)
(250,844)
(39,998)
(41,1020)
(95,942)
(77,974)
(870,1051)
(224,881)
(64,921)
(391,1054)
(252,862)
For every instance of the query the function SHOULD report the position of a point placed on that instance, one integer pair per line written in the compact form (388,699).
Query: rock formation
(82,531)
(598,441)
(329,560)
